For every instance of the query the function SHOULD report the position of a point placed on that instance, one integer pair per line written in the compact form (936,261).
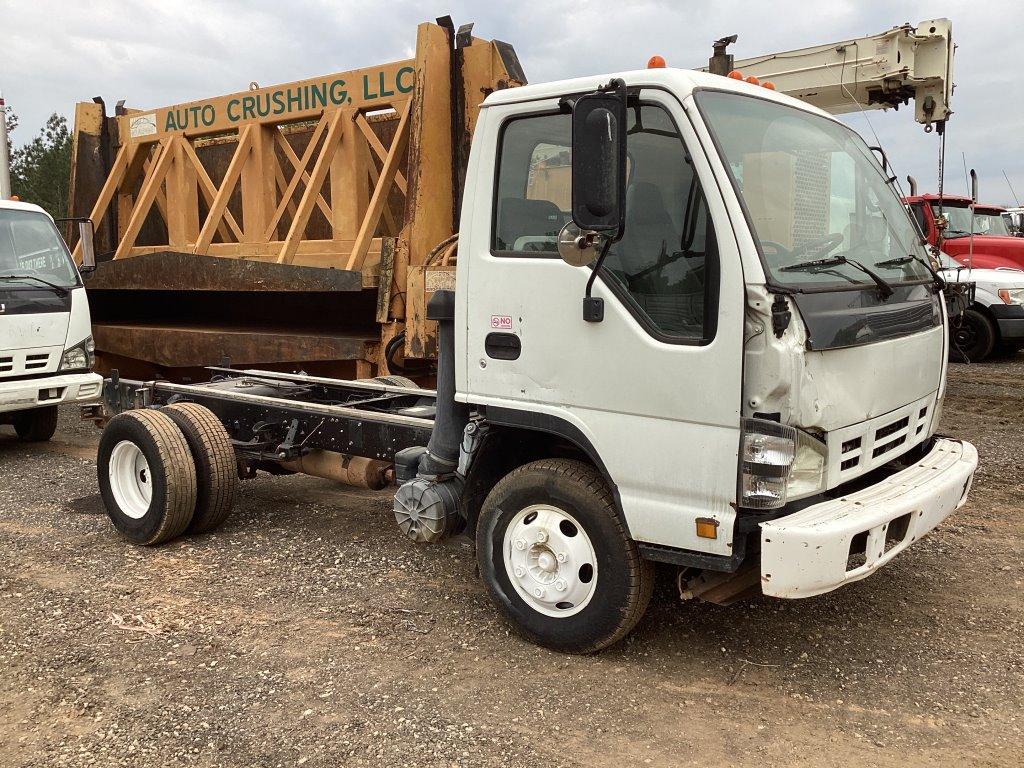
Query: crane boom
(873,72)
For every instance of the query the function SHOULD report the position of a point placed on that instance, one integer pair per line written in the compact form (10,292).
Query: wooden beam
(380,192)
(147,194)
(374,176)
(289,191)
(209,191)
(378,147)
(294,160)
(110,187)
(220,202)
(312,192)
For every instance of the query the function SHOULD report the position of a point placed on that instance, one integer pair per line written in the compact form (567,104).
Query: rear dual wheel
(164,472)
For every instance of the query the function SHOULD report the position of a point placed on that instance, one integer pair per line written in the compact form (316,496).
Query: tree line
(41,168)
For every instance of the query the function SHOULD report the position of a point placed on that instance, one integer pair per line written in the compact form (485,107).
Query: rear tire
(146,476)
(557,560)
(36,425)
(216,467)
(972,339)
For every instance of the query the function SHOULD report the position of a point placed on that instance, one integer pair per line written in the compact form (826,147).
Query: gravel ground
(306,632)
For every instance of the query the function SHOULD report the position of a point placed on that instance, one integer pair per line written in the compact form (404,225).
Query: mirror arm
(593,307)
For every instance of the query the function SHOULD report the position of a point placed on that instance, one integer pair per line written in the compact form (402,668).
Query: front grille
(6,364)
(864,447)
(889,429)
(35,362)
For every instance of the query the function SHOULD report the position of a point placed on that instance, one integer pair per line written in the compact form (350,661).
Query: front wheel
(36,425)
(972,337)
(557,560)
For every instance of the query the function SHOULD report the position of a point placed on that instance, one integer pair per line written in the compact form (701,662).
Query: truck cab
(762,387)
(46,349)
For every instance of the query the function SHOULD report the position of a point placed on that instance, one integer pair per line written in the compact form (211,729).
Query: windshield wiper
(900,260)
(60,290)
(884,288)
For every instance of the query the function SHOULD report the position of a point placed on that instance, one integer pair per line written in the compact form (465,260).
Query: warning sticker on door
(501,322)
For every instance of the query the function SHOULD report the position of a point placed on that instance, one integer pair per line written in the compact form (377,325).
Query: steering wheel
(819,245)
(777,248)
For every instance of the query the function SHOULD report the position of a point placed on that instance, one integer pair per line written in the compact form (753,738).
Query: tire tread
(216,468)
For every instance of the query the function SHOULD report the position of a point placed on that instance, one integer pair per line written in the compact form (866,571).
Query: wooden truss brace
(380,192)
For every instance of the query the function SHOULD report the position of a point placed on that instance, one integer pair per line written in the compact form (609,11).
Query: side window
(534,173)
(666,264)
(665,267)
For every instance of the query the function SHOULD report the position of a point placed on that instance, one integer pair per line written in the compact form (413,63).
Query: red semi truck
(993,245)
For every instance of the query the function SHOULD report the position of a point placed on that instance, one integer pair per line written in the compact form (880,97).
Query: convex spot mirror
(599,161)
(578,247)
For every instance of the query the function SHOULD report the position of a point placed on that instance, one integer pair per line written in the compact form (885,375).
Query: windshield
(985,222)
(31,245)
(813,191)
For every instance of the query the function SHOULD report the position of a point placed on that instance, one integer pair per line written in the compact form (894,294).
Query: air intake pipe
(427,506)
(442,456)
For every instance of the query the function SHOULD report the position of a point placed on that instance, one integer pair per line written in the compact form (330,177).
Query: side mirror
(86,240)
(599,160)
(974,186)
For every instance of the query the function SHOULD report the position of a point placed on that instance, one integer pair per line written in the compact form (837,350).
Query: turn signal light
(656,62)
(707,527)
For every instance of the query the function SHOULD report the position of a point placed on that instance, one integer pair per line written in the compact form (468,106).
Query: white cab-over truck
(720,347)
(45,334)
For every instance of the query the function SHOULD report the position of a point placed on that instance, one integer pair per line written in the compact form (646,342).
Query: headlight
(778,464)
(80,357)
(1011,295)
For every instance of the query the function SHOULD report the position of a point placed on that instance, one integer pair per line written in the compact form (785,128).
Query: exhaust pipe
(913,185)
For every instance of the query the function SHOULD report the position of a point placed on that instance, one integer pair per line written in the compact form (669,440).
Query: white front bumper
(49,390)
(816,549)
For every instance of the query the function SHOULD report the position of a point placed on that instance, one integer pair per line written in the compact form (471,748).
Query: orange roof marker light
(769,85)
(736,75)
(753,80)
(656,62)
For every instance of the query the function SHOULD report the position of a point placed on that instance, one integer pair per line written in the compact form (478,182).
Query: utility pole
(5,157)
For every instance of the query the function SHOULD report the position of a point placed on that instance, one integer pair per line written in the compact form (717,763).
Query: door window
(664,268)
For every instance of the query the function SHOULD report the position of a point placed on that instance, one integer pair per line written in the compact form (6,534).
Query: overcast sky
(151,54)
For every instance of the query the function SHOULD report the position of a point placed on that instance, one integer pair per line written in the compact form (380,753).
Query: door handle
(503,346)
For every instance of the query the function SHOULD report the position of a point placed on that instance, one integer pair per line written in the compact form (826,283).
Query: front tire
(146,475)
(973,338)
(36,425)
(556,558)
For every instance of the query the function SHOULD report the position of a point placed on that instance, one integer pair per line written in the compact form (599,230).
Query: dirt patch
(306,632)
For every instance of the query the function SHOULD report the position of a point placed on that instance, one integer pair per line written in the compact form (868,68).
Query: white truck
(46,349)
(723,349)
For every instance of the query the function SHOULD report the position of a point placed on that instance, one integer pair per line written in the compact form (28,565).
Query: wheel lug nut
(561,557)
(560,585)
(519,571)
(538,592)
(542,537)
(520,544)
